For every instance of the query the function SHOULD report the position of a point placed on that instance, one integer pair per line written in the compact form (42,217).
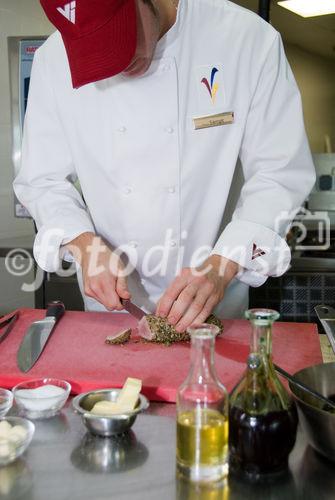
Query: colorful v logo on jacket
(211,86)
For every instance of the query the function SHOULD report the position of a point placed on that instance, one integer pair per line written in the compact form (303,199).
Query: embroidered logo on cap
(256,252)
(69,11)
(211,86)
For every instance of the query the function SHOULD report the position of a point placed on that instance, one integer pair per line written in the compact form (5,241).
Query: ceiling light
(309,8)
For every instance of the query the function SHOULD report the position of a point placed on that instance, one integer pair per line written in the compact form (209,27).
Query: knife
(132,309)
(37,336)
(8,321)
(326,315)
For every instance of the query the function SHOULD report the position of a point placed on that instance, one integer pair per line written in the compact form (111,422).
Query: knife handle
(55,310)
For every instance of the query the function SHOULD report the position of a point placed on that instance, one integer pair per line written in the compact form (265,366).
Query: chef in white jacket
(150,104)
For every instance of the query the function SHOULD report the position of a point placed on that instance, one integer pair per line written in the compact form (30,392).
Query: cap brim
(105,52)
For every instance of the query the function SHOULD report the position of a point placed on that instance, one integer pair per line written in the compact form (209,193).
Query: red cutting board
(77,352)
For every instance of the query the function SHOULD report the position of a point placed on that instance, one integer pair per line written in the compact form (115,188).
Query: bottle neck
(202,360)
(261,339)
(261,391)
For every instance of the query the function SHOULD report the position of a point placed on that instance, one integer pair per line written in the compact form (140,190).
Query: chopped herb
(164,333)
(120,338)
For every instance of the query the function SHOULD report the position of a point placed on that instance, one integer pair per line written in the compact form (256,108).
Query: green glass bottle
(262,417)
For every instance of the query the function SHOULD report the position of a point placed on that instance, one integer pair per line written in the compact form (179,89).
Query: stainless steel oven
(21,52)
(311,278)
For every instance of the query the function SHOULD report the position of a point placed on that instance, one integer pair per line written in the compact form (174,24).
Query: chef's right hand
(102,270)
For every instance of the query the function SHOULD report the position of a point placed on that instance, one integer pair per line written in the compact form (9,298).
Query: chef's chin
(139,68)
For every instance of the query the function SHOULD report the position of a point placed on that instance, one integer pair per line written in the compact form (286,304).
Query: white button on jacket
(217,58)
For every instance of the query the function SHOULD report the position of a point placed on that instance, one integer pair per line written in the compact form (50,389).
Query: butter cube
(5,429)
(128,396)
(105,408)
(17,434)
(5,449)
(125,402)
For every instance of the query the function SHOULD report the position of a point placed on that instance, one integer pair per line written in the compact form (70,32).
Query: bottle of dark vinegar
(262,417)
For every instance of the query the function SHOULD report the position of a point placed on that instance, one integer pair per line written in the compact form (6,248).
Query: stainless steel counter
(65,463)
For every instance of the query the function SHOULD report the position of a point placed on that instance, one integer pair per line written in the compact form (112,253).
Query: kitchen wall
(17,17)
(315,76)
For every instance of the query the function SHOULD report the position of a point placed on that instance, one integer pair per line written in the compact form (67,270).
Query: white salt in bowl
(41,398)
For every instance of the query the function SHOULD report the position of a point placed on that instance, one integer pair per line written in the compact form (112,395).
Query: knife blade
(133,309)
(326,315)
(37,336)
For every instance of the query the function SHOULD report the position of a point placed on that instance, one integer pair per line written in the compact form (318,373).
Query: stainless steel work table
(64,462)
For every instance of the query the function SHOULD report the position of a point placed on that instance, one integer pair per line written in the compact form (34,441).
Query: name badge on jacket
(211,97)
(213,120)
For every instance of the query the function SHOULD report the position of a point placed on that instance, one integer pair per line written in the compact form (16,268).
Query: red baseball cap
(99,36)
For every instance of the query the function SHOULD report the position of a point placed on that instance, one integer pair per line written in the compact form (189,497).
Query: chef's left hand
(195,292)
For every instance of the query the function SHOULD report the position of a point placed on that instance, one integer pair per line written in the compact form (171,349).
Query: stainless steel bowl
(318,424)
(119,453)
(106,426)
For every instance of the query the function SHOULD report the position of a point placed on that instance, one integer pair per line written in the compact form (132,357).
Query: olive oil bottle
(203,433)
(202,413)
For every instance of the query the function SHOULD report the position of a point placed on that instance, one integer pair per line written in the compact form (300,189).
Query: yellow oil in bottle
(202,438)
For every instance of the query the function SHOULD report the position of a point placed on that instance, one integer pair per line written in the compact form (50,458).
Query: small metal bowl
(318,424)
(109,425)
(118,453)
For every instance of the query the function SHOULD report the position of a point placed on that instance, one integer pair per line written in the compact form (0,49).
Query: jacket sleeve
(44,183)
(278,171)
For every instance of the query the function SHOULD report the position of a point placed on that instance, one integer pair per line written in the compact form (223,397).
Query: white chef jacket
(143,167)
